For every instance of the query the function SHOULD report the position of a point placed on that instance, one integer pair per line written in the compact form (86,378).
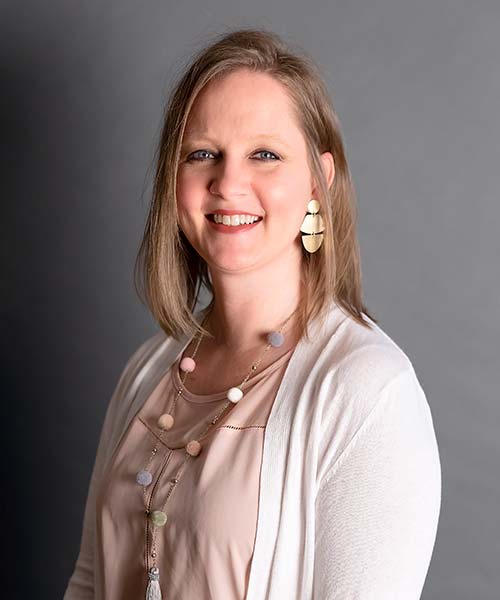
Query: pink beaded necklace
(158,518)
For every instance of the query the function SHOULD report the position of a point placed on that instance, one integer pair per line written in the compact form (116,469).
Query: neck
(248,306)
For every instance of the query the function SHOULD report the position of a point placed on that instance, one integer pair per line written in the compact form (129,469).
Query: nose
(229,180)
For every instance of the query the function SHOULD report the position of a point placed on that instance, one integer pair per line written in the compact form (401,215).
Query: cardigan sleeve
(81,583)
(377,507)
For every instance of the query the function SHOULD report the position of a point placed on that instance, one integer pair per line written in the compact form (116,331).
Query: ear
(328,169)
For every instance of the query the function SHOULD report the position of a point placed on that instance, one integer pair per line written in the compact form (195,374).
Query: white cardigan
(350,488)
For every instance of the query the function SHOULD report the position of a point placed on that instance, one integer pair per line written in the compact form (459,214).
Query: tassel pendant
(153,591)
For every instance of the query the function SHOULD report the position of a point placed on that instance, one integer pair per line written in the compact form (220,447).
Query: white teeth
(235,220)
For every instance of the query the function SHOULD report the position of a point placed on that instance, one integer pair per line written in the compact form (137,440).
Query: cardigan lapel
(287,476)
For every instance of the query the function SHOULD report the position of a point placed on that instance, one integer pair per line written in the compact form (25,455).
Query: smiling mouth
(233,220)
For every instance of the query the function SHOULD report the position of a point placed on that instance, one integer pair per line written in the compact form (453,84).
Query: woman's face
(243,154)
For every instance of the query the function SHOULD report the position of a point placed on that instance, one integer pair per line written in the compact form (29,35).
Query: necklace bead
(193,448)
(144,477)
(166,421)
(234,394)
(187,365)
(158,518)
(276,339)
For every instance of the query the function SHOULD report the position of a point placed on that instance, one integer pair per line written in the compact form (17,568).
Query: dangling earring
(313,226)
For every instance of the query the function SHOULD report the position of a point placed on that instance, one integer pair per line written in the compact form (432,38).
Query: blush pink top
(205,549)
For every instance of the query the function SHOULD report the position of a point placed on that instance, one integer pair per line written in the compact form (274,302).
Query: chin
(231,259)
(232,265)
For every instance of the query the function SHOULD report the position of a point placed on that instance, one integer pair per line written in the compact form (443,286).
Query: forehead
(243,103)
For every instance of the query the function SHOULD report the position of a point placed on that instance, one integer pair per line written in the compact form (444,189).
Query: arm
(81,582)
(377,507)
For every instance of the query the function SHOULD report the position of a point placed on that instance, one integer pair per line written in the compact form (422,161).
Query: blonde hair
(169,273)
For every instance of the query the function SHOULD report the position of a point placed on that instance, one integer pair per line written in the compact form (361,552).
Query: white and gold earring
(313,227)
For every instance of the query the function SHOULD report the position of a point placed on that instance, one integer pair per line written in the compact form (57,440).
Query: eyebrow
(195,138)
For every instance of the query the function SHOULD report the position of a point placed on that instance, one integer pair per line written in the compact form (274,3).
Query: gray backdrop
(416,85)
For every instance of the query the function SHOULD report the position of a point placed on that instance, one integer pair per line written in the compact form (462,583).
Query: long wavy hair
(169,274)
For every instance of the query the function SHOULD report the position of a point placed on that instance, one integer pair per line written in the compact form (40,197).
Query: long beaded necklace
(158,518)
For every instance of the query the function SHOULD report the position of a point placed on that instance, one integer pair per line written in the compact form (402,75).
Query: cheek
(190,194)
(287,197)
(187,192)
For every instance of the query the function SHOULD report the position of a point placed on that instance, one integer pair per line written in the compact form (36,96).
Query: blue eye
(268,152)
(192,155)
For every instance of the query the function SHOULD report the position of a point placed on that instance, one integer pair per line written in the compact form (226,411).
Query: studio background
(417,89)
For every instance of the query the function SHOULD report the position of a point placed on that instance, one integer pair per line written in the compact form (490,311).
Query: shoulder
(134,367)
(367,359)
(142,368)
(143,353)
(358,373)
(358,361)
(158,348)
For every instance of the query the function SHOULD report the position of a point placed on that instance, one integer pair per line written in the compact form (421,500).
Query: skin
(251,157)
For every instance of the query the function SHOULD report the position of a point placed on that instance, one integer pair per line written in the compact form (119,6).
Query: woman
(276,443)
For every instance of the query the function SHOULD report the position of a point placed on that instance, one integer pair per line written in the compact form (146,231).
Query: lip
(229,228)
(232,212)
